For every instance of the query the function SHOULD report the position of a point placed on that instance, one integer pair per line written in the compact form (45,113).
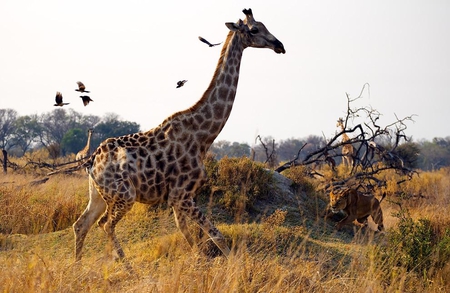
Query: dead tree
(270,154)
(372,157)
(5,161)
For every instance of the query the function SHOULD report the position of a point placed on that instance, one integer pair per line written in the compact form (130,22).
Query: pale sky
(130,54)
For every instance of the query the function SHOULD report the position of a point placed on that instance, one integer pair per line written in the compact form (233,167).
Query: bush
(416,246)
(236,183)
(414,241)
(300,178)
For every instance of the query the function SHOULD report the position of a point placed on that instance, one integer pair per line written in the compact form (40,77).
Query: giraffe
(84,153)
(348,151)
(165,164)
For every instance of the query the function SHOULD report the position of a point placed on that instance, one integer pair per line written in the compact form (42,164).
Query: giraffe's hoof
(210,249)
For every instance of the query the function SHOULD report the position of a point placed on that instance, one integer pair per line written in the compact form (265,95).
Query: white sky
(130,54)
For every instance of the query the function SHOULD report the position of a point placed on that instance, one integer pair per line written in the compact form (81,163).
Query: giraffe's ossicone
(165,164)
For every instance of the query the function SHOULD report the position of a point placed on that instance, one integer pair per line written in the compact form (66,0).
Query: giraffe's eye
(254,30)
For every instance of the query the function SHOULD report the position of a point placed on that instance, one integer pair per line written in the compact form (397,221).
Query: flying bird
(208,43)
(86,100)
(81,87)
(181,83)
(59,100)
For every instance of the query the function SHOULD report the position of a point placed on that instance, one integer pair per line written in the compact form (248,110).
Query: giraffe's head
(340,122)
(255,34)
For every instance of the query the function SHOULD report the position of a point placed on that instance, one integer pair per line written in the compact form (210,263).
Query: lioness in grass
(356,206)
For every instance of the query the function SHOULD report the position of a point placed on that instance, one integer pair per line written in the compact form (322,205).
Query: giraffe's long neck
(344,135)
(203,122)
(218,99)
(88,144)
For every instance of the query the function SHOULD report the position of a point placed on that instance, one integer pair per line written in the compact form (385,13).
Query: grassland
(279,241)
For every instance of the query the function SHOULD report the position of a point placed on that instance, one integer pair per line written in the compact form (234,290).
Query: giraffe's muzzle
(279,48)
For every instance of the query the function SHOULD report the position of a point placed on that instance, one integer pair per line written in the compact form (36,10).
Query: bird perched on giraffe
(181,83)
(81,88)
(86,100)
(208,43)
(59,100)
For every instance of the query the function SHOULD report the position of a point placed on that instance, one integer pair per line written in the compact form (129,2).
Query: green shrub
(415,242)
(415,246)
(442,249)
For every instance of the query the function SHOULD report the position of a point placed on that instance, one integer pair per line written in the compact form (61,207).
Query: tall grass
(273,252)
(30,209)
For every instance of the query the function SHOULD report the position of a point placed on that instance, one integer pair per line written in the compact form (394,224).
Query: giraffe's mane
(211,85)
(216,72)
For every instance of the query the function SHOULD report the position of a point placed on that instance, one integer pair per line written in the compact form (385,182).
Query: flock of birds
(81,89)
(87,99)
(182,82)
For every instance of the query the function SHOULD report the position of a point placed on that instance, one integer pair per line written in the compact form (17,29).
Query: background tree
(59,132)
(89,122)
(112,126)
(26,133)
(7,128)
(225,148)
(434,154)
(74,140)
(55,125)
(288,148)
(409,152)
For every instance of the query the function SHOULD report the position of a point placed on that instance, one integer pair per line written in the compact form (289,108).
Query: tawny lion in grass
(165,164)
(356,206)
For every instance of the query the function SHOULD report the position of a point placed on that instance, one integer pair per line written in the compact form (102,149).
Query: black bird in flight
(81,87)
(208,43)
(86,100)
(59,100)
(181,83)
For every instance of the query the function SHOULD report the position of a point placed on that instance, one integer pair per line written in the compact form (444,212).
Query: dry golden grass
(277,253)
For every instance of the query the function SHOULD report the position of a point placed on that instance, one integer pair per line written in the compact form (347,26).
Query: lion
(356,206)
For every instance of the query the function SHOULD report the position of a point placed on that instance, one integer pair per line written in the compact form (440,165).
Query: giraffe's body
(84,153)
(348,151)
(165,164)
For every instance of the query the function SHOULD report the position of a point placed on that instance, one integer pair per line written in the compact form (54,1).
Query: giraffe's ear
(235,26)
(232,26)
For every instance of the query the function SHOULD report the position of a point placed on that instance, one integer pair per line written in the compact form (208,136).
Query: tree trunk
(5,161)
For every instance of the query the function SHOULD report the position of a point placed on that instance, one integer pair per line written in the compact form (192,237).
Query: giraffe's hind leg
(94,209)
(187,208)
(119,201)
(110,225)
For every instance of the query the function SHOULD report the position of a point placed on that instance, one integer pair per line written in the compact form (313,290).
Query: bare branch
(374,148)
(270,156)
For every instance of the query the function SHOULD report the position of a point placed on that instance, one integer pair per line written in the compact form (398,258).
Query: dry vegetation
(280,243)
